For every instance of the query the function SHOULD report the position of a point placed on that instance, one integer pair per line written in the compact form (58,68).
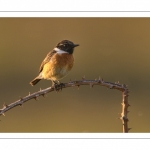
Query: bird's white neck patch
(59,51)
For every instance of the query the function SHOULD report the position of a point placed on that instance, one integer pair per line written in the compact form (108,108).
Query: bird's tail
(35,81)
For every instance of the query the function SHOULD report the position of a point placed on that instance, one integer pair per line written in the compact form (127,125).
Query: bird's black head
(66,46)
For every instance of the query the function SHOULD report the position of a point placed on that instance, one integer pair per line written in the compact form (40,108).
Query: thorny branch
(101,82)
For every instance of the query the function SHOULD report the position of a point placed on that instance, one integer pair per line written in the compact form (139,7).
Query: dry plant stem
(125,111)
(101,82)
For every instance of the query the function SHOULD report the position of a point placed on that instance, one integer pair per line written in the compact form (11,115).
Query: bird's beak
(75,45)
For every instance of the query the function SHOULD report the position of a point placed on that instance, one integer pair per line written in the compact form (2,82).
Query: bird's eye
(66,45)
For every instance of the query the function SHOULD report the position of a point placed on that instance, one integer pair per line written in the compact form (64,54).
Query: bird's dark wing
(47,59)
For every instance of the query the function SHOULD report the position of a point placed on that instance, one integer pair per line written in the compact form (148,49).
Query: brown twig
(117,86)
(125,111)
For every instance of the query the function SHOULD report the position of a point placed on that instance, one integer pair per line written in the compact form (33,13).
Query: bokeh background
(117,49)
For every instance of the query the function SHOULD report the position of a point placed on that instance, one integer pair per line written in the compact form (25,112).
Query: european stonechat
(57,63)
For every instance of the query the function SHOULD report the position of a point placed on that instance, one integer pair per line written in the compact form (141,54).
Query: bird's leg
(61,85)
(57,85)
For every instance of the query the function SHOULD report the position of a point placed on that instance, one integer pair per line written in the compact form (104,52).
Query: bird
(57,63)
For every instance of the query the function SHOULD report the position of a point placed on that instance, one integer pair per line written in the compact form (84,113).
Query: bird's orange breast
(58,66)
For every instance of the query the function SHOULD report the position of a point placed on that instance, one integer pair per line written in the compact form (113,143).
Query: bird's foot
(61,85)
(58,86)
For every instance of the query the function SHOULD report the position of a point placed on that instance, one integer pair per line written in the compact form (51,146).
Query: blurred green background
(117,49)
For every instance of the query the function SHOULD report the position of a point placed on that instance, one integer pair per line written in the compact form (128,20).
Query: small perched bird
(57,63)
